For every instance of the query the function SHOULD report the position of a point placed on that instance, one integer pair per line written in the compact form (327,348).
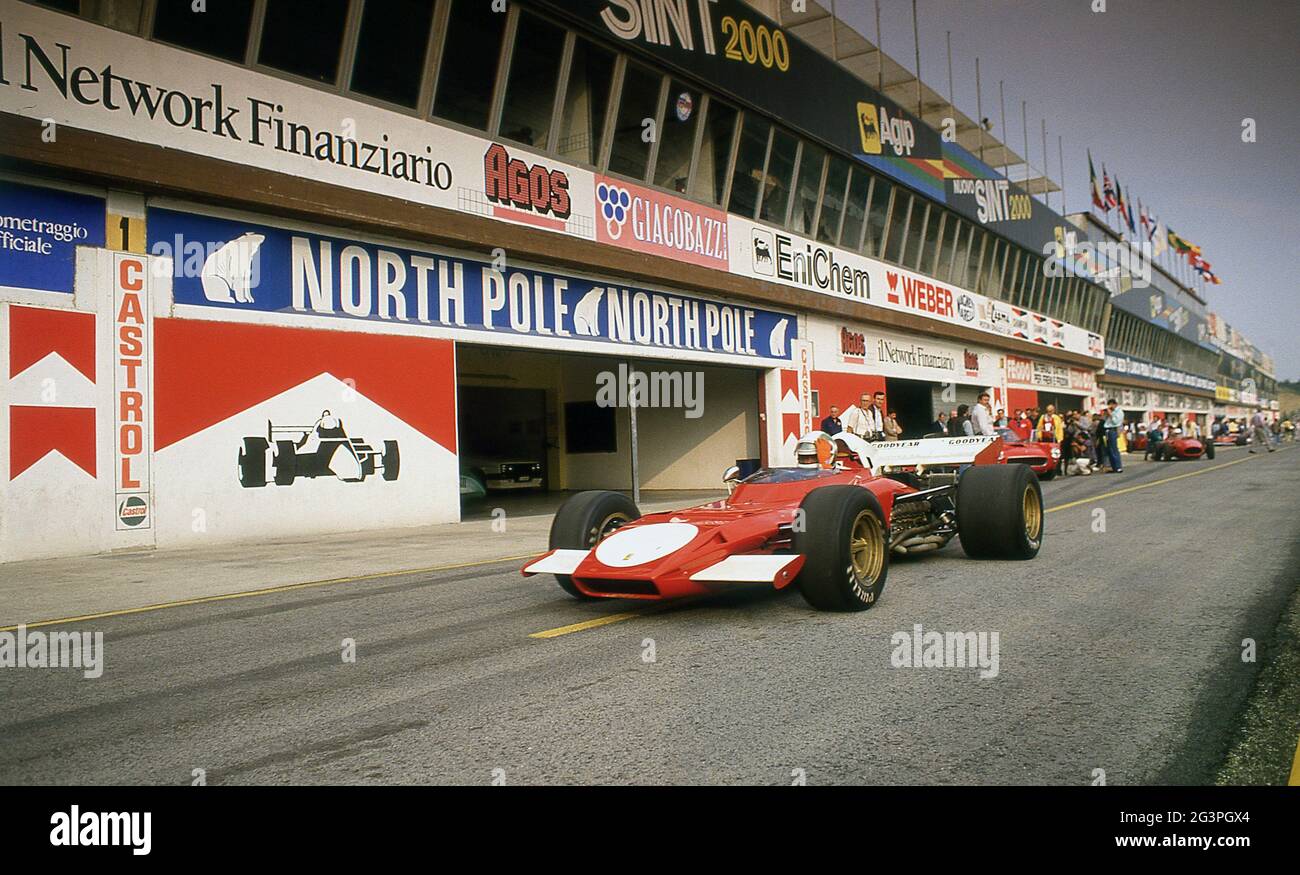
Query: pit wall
(123,428)
(152,401)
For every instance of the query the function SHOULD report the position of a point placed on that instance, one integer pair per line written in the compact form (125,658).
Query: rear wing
(930,452)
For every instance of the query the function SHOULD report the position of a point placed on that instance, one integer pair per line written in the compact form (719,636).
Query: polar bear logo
(230,274)
(586,317)
(776,341)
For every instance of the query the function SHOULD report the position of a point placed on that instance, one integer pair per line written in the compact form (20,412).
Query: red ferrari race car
(1039,455)
(828,524)
(1179,447)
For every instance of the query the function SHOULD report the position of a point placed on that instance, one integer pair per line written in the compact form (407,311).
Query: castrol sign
(132,402)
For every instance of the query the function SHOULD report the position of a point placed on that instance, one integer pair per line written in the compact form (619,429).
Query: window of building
(855,209)
(780,175)
(637,104)
(586,102)
(933,237)
(832,207)
(532,81)
(712,162)
(304,37)
(1031,270)
(390,50)
(947,246)
(751,166)
(1011,277)
(960,253)
(878,216)
(975,262)
(677,137)
(991,268)
(471,53)
(118,14)
(221,31)
(808,188)
(921,211)
(897,230)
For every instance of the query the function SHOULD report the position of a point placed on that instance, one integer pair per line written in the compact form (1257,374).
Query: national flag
(1119,203)
(1148,227)
(1108,189)
(1132,226)
(1098,200)
(1159,238)
(1181,246)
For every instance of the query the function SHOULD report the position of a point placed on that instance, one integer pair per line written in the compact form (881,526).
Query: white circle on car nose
(642,544)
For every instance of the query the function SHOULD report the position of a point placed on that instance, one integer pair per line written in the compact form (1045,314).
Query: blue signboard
(246,266)
(40,230)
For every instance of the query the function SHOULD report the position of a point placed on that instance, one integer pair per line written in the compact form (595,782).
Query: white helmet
(815,450)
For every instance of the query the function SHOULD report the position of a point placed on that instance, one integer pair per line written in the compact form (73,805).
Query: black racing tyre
(583,520)
(252,462)
(1000,512)
(845,545)
(286,467)
(1209,450)
(392,460)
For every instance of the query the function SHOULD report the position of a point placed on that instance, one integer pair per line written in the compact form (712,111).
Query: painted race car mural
(320,450)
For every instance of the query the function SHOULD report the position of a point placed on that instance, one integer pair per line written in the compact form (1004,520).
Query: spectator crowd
(1089,442)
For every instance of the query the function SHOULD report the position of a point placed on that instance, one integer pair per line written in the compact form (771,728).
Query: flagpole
(1060,163)
(1002,100)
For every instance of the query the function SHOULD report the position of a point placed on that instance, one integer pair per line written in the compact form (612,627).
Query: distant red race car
(1184,448)
(828,524)
(1042,456)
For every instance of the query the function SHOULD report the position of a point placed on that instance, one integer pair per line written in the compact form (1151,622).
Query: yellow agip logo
(869,128)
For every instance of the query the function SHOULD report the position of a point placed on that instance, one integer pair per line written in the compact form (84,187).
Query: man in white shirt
(866,419)
(981,417)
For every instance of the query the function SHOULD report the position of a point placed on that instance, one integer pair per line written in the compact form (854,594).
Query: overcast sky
(1158,90)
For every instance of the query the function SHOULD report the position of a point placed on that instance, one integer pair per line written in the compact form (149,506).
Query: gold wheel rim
(1033,511)
(867,548)
(607,527)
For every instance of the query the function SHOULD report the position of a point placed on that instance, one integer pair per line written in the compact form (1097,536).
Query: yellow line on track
(1294,780)
(271,590)
(1140,486)
(586,624)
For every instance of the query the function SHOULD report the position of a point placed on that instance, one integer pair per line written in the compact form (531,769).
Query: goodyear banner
(245,266)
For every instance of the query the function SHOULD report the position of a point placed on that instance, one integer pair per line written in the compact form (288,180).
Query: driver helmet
(814,450)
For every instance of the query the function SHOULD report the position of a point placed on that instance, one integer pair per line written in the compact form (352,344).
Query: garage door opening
(537,426)
(911,401)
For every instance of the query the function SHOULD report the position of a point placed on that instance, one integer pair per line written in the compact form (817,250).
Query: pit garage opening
(536,426)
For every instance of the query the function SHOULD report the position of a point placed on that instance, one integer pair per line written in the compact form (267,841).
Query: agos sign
(512,182)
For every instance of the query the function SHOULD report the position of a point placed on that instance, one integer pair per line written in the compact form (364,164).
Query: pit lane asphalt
(1119,650)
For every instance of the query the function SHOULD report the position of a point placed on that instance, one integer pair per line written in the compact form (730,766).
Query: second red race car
(1042,456)
(1179,447)
(828,524)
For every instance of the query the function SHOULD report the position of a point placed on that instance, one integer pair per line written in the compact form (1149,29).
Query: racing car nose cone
(641,544)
